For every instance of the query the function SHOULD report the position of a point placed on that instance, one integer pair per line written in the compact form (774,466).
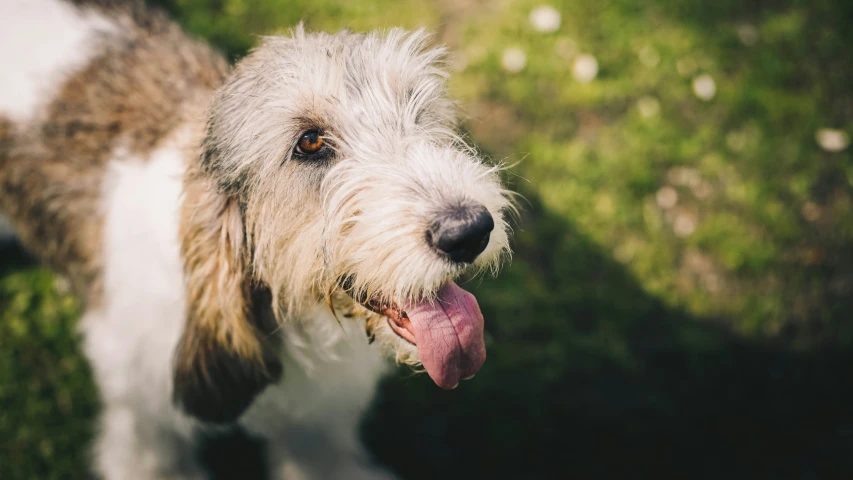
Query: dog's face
(353,186)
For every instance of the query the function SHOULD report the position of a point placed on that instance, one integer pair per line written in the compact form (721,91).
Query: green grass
(709,339)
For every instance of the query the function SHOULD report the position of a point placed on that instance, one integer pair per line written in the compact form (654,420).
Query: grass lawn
(679,303)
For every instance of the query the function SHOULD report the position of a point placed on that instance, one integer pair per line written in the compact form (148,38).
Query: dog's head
(332,171)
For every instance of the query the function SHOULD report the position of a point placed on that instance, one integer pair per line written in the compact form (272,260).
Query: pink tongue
(449,333)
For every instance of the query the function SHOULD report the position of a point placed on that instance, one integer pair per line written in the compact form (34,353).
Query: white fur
(311,418)
(130,339)
(41,42)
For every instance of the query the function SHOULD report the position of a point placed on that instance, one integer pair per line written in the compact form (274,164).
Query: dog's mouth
(398,319)
(448,332)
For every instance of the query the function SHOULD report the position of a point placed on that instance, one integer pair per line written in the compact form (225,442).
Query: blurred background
(679,302)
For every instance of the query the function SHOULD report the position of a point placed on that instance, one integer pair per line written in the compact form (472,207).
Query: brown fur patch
(228,352)
(133,94)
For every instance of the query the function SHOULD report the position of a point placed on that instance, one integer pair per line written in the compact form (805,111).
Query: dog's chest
(330,376)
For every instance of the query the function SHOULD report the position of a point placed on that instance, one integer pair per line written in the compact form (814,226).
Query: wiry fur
(398,163)
(213,261)
(379,98)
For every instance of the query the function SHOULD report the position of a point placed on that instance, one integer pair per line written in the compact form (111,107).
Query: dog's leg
(130,334)
(310,420)
(131,447)
(140,435)
(328,450)
(310,454)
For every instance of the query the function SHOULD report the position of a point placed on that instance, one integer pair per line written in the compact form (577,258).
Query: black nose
(462,233)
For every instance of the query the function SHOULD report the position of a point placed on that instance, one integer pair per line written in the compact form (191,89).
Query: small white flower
(545,19)
(514,60)
(666,197)
(684,225)
(832,140)
(649,56)
(648,106)
(585,68)
(705,87)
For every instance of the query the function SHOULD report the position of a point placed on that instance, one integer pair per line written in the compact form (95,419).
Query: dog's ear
(227,354)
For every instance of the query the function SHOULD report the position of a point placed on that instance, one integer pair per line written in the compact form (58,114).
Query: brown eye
(310,142)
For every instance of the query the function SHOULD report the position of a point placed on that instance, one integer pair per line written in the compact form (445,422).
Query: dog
(251,244)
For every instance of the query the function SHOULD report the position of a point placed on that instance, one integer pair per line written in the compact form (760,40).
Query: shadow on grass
(593,378)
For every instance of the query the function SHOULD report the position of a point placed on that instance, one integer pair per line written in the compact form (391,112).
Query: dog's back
(85,82)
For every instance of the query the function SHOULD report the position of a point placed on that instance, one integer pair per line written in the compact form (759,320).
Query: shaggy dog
(249,243)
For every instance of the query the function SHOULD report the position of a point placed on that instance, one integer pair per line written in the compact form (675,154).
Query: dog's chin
(447,331)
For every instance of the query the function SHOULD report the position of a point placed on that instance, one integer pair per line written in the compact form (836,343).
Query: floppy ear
(228,353)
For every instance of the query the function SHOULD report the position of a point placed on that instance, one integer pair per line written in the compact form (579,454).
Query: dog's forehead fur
(370,94)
